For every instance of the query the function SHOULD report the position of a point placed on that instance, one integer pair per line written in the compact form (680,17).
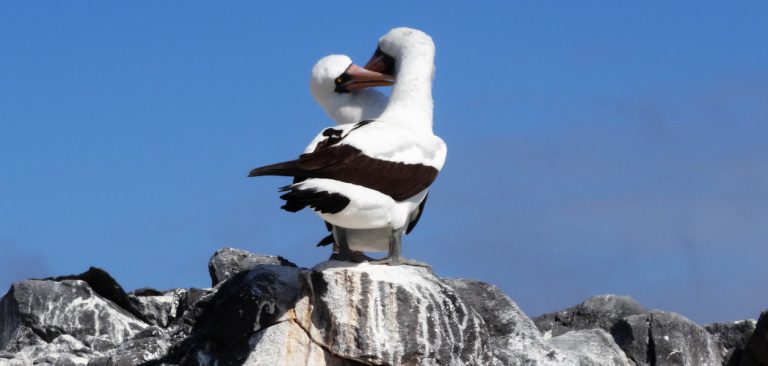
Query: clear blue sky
(598,148)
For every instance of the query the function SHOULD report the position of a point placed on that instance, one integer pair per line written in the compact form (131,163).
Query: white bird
(374,174)
(345,107)
(340,103)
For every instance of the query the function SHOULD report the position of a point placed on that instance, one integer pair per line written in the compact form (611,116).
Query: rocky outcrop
(664,338)
(363,313)
(601,311)
(589,347)
(733,338)
(263,310)
(756,350)
(514,337)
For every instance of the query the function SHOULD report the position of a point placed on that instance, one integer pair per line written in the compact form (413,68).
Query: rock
(589,347)
(601,311)
(732,337)
(756,350)
(51,308)
(342,314)
(515,340)
(632,335)
(147,345)
(63,350)
(287,343)
(392,315)
(336,314)
(191,307)
(105,286)
(99,344)
(665,338)
(227,262)
(159,309)
(243,305)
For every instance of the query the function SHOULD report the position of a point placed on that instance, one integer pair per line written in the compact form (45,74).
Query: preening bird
(341,103)
(374,174)
(345,107)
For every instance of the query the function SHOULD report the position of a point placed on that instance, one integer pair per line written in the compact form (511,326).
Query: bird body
(348,108)
(374,174)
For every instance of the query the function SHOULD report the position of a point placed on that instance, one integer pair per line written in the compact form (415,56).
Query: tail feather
(327,241)
(297,199)
(285,169)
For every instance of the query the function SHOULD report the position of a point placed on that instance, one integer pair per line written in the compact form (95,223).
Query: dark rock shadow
(248,302)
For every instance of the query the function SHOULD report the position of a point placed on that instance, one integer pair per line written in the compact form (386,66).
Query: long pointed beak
(381,62)
(356,78)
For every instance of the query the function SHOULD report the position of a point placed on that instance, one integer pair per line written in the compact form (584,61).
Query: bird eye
(339,80)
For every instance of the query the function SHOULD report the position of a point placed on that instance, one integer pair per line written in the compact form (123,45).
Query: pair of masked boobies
(368,176)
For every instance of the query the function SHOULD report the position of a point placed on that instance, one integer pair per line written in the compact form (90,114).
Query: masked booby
(374,174)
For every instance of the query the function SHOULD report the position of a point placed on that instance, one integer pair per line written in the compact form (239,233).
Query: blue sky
(599,148)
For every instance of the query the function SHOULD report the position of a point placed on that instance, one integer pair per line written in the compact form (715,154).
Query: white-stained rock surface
(393,315)
(593,347)
(514,338)
(51,308)
(264,310)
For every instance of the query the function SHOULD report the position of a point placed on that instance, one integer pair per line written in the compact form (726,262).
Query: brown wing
(348,164)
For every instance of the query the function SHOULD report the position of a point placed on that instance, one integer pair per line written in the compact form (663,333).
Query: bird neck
(411,98)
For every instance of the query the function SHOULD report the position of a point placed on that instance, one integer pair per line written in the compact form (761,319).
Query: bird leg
(344,253)
(395,257)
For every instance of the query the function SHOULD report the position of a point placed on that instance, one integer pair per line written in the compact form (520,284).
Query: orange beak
(356,78)
(381,62)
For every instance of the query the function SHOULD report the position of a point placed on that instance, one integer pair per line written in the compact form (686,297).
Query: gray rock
(50,309)
(147,345)
(391,315)
(227,262)
(265,311)
(105,286)
(159,309)
(63,350)
(223,322)
(632,334)
(601,311)
(732,337)
(756,350)
(515,340)
(286,343)
(593,347)
(99,344)
(665,338)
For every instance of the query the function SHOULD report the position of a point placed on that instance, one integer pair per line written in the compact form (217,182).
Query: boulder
(222,322)
(515,340)
(51,308)
(732,337)
(756,349)
(666,338)
(159,308)
(392,315)
(338,313)
(601,311)
(103,284)
(287,343)
(589,347)
(62,350)
(227,262)
(149,345)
